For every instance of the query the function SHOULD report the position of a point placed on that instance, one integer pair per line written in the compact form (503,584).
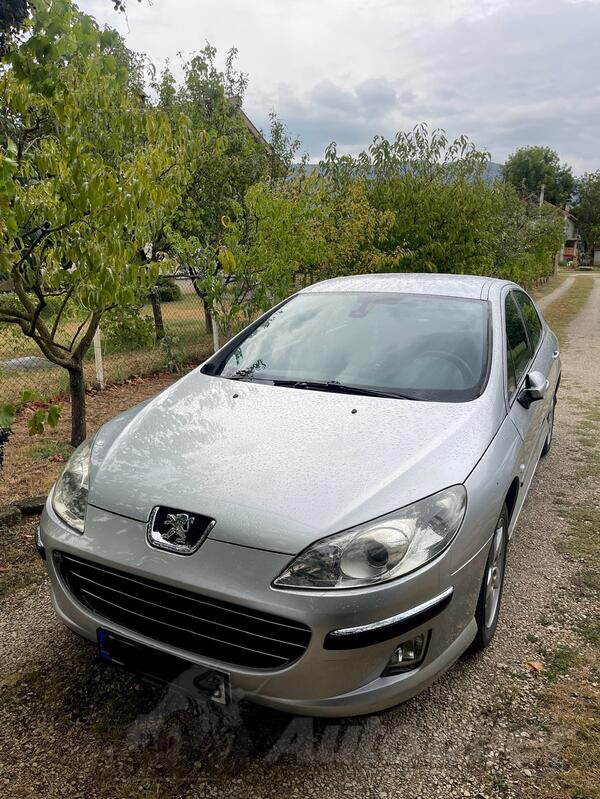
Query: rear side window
(518,351)
(530,315)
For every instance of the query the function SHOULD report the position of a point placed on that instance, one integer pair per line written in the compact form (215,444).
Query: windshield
(419,346)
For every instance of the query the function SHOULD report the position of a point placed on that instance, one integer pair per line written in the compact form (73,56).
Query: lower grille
(199,624)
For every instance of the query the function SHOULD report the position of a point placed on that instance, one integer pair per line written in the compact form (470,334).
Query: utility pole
(542,191)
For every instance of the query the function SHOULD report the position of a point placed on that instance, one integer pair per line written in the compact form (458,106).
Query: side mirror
(534,390)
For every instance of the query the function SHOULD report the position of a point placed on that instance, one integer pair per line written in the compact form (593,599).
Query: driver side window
(518,348)
(532,320)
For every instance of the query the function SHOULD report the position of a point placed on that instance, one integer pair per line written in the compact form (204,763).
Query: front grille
(199,624)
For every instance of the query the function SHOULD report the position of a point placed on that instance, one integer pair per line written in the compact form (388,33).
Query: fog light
(408,655)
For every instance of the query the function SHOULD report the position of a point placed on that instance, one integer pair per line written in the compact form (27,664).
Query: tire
(548,442)
(492,585)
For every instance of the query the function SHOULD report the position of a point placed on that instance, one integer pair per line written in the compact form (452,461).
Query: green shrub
(173,360)
(168,290)
(124,330)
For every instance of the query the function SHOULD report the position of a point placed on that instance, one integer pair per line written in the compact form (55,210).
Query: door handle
(555,354)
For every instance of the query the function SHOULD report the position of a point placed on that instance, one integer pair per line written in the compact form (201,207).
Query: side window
(517,345)
(532,320)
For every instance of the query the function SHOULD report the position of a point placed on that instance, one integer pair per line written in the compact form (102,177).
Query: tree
(233,161)
(587,208)
(530,168)
(440,208)
(236,158)
(88,173)
(526,236)
(417,203)
(13,14)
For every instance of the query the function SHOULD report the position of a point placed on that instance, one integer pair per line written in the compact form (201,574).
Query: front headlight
(71,490)
(382,549)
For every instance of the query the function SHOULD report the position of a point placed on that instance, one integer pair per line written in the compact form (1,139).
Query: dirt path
(544,302)
(69,727)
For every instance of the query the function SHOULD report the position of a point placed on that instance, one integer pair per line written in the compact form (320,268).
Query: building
(235,101)
(571,248)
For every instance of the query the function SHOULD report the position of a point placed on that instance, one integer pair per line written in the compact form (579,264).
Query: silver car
(317,517)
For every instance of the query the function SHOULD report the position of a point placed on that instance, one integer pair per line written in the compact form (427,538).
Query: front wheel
(490,595)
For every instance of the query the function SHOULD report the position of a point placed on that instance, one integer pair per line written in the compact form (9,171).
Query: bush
(124,329)
(167,290)
(173,360)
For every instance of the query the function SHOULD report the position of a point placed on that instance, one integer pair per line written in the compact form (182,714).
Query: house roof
(236,102)
(535,198)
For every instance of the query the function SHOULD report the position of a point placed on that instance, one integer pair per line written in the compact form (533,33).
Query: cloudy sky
(505,72)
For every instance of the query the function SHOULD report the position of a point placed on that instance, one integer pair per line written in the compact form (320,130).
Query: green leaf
(54,412)
(7,416)
(29,395)
(36,423)
(227,260)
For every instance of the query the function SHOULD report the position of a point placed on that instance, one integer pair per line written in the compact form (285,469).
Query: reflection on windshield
(424,346)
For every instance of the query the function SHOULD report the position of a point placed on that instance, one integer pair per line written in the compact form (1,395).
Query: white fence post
(98,359)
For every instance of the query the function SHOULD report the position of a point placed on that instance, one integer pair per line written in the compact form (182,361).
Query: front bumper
(326,680)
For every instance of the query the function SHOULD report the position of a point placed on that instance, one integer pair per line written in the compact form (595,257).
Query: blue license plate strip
(163,667)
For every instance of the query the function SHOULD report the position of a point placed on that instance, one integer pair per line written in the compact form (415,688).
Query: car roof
(470,286)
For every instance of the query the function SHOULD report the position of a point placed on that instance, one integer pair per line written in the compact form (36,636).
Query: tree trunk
(77,390)
(208,322)
(157,313)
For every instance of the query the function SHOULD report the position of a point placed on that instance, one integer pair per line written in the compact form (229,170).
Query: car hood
(280,467)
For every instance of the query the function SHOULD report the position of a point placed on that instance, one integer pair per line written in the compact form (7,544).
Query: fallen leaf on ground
(535,665)
(11,679)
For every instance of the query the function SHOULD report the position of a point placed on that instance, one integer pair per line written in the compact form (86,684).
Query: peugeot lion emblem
(180,524)
(177,531)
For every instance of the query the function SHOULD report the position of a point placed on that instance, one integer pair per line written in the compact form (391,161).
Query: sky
(506,73)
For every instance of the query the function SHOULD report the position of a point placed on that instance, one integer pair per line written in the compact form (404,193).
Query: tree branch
(77,332)
(60,310)
(32,312)
(21,293)
(88,336)
(47,232)
(13,316)
(46,348)
(36,314)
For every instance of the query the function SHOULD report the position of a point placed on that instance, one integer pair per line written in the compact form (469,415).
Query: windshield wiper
(333,386)
(340,388)
(242,375)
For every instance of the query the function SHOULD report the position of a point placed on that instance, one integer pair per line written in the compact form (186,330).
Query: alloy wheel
(495,575)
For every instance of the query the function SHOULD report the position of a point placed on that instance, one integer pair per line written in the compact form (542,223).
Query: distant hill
(493,171)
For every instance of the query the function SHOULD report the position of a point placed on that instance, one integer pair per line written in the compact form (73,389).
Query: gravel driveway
(70,727)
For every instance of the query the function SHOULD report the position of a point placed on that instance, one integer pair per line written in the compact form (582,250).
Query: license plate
(163,667)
